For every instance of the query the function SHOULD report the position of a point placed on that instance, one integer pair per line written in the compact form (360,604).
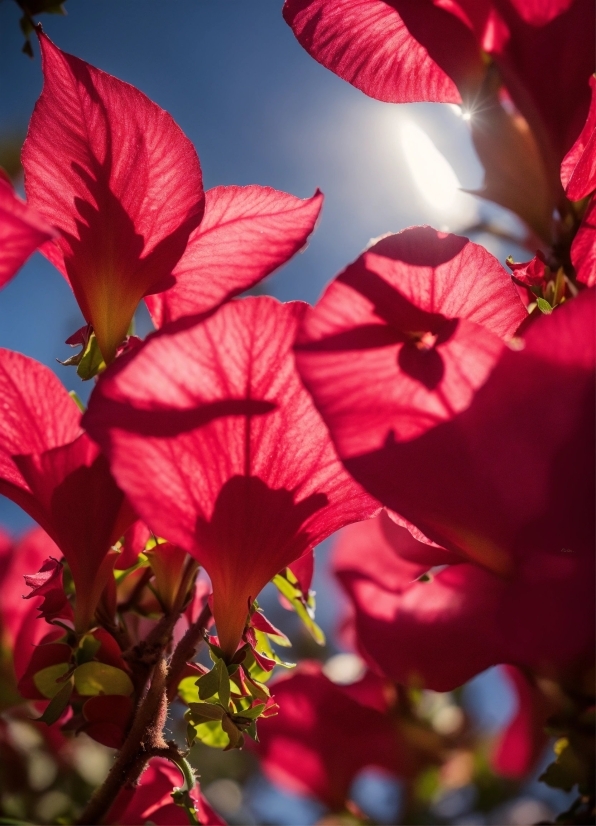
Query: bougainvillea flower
(246,233)
(58,475)
(22,231)
(118,178)
(400,51)
(151,801)
(324,736)
(481,452)
(425,622)
(578,170)
(212,435)
(521,745)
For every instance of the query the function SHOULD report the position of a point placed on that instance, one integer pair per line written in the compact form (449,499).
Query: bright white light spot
(449,208)
(433,174)
(344,669)
(466,115)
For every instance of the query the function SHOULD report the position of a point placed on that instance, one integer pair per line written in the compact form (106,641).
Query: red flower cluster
(245,431)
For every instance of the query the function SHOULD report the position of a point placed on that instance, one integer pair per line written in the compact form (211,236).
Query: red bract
(578,170)
(118,178)
(325,734)
(152,800)
(21,628)
(395,327)
(22,231)
(212,435)
(438,628)
(492,458)
(246,233)
(397,52)
(583,248)
(58,475)
(523,741)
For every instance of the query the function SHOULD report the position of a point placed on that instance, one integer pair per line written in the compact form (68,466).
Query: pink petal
(28,554)
(82,509)
(361,350)
(38,415)
(406,50)
(436,633)
(546,69)
(117,176)
(441,631)
(322,737)
(246,233)
(22,231)
(522,743)
(219,447)
(578,170)
(459,460)
(152,799)
(540,12)
(583,248)
(57,474)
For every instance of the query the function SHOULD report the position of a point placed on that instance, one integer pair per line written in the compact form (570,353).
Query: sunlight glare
(432,173)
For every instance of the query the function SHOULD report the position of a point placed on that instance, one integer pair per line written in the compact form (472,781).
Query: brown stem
(186,650)
(142,657)
(143,738)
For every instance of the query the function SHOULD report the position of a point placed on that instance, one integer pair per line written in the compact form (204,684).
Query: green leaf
(57,704)
(88,648)
(45,680)
(235,736)
(203,712)
(94,678)
(188,690)
(252,731)
(294,595)
(250,713)
(212,734)
(265,647)
(544,306)
(208,684)
(224,684)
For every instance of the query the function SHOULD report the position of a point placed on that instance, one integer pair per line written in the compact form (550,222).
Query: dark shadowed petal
(439,626)
(82,509)
(57,474)
(578,170)
(523,741)
(583,248)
